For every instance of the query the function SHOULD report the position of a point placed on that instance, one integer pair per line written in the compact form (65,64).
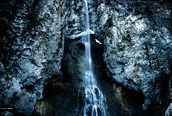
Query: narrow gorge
(86,58)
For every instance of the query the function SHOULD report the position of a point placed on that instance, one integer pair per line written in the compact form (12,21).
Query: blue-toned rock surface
(135,37)
(31,51)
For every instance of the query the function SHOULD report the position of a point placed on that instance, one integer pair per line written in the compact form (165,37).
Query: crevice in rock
(59,97)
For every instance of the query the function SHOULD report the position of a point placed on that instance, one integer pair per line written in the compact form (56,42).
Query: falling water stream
(94,99)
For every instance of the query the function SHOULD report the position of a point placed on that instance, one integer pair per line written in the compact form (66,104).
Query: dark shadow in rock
(122,101)
(59,99)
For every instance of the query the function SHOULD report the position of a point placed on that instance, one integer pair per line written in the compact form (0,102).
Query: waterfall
(93,98)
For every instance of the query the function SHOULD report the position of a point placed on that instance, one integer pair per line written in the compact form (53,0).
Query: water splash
(91,96)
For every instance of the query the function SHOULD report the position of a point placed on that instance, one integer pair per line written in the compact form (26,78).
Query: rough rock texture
(31,50)
(136,36)
(6,113)
(137,42)
(137,51)
(168,112)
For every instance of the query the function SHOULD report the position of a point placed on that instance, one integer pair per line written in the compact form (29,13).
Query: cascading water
(94,101)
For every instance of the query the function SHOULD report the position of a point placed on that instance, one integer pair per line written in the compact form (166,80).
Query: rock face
(168,112)
(136,37)
(137,51)
(31,50)
(137,42)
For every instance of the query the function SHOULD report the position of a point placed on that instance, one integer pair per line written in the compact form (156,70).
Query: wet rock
(31,50)
(168,112)
(137,55)
(6,113)
(136,36)
(137,42)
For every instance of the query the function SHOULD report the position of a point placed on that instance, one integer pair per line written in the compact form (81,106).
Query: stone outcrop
(137,51)
(136,37)
(137,42)
(31,50)
(168,112)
